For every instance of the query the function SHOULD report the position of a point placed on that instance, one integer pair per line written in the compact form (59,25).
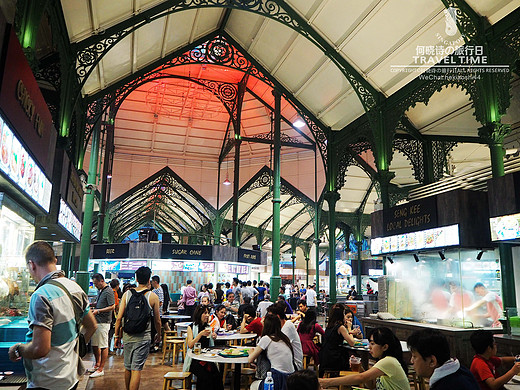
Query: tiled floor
(114,378)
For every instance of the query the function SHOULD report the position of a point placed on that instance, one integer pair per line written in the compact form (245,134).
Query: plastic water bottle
(269,382)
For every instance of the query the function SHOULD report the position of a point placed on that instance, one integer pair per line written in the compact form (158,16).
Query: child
(485,362)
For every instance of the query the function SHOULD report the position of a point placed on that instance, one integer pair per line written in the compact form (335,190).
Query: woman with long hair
(332,354)
(307,330)
(208,375)
(219,294)
(167,299)
(390,370)
(278,350)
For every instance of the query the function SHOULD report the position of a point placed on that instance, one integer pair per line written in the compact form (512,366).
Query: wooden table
(213,357)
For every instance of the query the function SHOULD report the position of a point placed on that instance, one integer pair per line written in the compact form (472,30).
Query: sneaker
(96,374)
(92,369)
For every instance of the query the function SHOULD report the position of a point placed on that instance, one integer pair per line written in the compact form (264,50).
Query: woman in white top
(279,352)
(389,373)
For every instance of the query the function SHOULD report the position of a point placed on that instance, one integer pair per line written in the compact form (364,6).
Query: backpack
(137,313)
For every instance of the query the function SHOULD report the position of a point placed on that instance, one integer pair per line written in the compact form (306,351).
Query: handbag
(81,344)
(263,366)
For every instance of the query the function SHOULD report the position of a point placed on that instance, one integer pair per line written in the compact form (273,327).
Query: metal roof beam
(270,108)
(284,143)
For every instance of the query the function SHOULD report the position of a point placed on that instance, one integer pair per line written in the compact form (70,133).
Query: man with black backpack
(136,308)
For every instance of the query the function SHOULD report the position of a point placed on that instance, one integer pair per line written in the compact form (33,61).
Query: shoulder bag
(82,345)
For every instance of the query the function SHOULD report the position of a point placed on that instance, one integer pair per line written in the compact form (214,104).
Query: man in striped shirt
(50,354)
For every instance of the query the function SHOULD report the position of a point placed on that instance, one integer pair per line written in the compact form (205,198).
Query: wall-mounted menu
(183,266)
(424,239)
(20,167)
(68,220)
(506,227)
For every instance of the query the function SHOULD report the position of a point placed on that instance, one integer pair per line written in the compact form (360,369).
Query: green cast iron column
(293,258)
(276,281)
(107,168)
(307,271)
(332,197)
(65,258)
(359,245)
(82,276)
(316,242)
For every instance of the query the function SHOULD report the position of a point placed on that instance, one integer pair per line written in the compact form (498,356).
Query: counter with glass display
(455,287)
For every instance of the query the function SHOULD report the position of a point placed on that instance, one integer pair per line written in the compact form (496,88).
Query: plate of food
(516,379)
(234,352)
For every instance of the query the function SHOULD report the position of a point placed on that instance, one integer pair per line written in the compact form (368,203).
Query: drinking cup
(355,363)
(517,358)
(197,349)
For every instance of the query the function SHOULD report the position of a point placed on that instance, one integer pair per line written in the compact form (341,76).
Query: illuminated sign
(506,227)
(375,272)
(180,266)
(68,220)
(19,166)
(425,239)
(234,269)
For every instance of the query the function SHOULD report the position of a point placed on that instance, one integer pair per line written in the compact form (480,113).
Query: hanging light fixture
(226,182)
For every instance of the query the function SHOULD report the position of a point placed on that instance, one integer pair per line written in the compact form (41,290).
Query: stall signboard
(249,256)
(18,165)
(186,252)
(234,269)
(24,107)
(183,266)
(68,220)
(110,251)
(412,216)
(74,190)
(506,227)
(432,238)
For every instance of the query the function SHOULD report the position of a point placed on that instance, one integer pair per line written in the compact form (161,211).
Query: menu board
(20,167)
(234,269)
(425,239)
(180,266)
(506,227)
(68,220)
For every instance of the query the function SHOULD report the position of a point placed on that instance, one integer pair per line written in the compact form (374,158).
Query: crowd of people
(52,353)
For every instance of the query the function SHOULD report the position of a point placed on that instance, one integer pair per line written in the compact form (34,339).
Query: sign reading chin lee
(186,252)
(412,216)
(249,256)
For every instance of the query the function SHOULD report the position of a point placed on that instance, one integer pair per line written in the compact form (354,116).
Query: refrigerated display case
(438,287)
(16,234)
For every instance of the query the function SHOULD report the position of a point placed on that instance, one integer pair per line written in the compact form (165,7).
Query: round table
(235,336)
(213,357)
(175,317)
(513,384)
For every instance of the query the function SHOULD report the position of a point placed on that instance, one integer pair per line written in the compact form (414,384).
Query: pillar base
(274,287)
(83,279)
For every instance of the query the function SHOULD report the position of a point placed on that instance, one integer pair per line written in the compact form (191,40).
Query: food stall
(27,145)
(436,250)
(504,221)
(175,263)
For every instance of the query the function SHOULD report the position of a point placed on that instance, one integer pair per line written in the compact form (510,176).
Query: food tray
(235,355)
